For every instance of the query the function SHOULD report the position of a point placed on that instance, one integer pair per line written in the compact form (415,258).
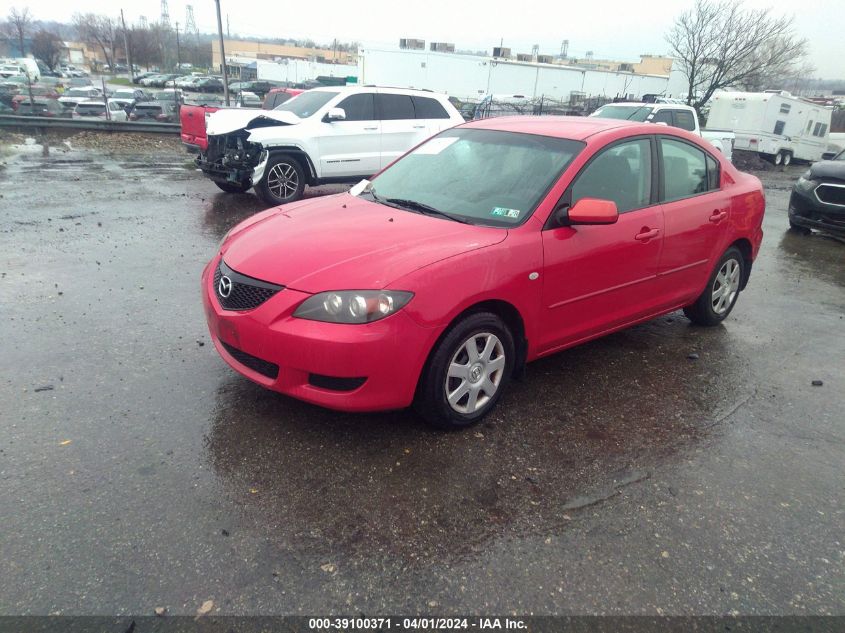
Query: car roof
(390,89)
(576,128)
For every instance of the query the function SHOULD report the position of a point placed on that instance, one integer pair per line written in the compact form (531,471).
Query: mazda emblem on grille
(224,286)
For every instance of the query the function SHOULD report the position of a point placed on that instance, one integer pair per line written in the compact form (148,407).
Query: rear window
(147,109)
(90,108)
(426,108)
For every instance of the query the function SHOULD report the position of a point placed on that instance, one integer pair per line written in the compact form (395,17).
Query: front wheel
(720,295)
(787,158)
(467,372)
(283,181)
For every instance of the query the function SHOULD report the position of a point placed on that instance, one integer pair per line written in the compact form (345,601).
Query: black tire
(272,187)
(797,228)
(233,187)
(777,159)
(431,401)
(787,159)
(703,311)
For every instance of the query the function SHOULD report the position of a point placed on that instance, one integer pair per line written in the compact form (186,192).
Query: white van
(30,67)
(776,125)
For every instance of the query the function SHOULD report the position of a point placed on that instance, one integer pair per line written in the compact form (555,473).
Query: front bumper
(806,210)
(320,363)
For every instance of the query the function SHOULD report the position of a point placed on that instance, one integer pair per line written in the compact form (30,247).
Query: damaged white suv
(321,136)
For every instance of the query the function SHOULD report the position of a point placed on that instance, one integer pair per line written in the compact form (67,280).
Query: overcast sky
(617,29)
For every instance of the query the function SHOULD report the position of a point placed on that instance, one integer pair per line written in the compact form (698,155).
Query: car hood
(229,120)
(828,169)
(346,243)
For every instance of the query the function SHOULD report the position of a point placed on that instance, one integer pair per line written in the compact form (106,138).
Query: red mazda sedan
(490,245)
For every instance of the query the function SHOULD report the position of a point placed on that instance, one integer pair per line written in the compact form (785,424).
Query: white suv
(321,136)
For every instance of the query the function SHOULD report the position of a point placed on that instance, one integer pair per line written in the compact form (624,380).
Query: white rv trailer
(776,125)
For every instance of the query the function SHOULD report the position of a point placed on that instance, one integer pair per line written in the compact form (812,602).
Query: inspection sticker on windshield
(505,213)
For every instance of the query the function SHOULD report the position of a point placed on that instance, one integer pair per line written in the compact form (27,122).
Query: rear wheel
(778,159)
(720,295)
(467,372)
(283,181)
(233,187)
(787,158)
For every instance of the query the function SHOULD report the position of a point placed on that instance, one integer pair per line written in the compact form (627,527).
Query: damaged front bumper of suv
(231,158)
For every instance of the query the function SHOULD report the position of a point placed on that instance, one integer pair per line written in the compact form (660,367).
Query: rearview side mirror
(593,211)
(335,114)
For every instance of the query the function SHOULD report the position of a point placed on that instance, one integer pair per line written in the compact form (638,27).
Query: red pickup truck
(192,118)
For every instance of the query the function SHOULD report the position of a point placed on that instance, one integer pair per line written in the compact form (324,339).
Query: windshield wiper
(413,205)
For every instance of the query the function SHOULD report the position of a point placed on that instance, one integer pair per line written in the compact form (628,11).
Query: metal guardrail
(59,123)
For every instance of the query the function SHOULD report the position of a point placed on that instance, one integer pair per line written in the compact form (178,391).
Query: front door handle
(646,234)
(718,216)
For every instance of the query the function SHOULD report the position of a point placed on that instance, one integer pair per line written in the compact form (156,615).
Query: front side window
(395,107)
(358,107)
(621,173)
(663,116)
(684,170)
(485,177)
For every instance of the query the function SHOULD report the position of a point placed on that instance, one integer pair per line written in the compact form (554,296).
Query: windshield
(484,177)
(628,113)
(307,103)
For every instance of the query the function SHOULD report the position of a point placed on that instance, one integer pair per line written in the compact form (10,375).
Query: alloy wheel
(475,372)
(725,286)
(282,181)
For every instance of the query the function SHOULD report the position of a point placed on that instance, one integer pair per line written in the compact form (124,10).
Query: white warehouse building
(472,76)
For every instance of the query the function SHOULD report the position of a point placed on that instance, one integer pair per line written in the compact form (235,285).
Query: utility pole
(222,54)
(126,47)
(228,34)
(178,51)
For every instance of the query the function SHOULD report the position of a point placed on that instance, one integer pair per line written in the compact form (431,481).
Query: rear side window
(358,107)
(684,170)
(393,107)
(621,173)
(426,108)
(684,120)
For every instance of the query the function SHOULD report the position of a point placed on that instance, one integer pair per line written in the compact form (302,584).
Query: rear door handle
(718,216)
(646,234)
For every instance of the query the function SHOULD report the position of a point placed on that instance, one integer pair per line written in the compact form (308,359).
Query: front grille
(263,367)
(831,194)
(245,293)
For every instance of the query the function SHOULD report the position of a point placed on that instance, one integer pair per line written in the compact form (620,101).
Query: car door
(597,278)
(400,129)
(351,147)
(696,214)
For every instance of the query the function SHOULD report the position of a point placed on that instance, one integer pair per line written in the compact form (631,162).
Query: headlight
(352,306)
(805,183)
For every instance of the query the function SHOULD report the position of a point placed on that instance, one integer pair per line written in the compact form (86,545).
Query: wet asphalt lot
(137,470)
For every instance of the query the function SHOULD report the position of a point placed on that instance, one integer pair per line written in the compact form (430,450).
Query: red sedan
(490,245)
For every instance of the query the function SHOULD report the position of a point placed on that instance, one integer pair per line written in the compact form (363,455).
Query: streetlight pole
(222,55)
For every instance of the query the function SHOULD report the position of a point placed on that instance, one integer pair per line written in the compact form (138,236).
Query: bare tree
(720,44)
(19,22)
(47,47)
(98,29)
